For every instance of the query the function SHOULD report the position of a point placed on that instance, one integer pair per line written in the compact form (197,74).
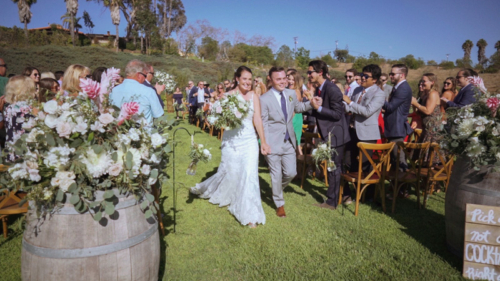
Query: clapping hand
(445,99)
(316,102)
(159,88)
(346,99)
(265,149)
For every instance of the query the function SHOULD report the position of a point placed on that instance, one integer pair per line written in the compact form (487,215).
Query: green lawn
(310,244)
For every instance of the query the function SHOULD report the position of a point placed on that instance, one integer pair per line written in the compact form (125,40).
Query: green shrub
(130,46)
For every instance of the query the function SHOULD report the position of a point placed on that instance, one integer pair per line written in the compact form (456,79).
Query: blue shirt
(131,90)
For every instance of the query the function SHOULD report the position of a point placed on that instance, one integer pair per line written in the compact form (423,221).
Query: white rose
(314,152)
(80,128)
(55,181)
(154,159)
(41,116)
(65,184)
(106,118)
(151,181)
(146,169)
(134,134)
(50,107)
(65,106)
(157,140)
(30,124)
(115,169)
(64,129)
(51,121)
(97,126)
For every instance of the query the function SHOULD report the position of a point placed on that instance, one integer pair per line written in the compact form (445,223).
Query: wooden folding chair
(306,158)
(9,203)
(436,173)
(376,176)
(415,135)
(186,106)
(412,175)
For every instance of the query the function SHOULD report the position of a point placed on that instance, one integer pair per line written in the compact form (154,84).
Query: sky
(429,29)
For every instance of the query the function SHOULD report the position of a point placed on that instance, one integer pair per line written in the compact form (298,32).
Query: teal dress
(297,122)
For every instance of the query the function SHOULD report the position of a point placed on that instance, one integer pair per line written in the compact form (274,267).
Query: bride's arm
(257,121)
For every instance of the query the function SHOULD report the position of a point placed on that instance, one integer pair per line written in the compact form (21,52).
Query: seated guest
(97,73)
(366,104)
(177,98)
(71,80)
(466,95)
(59,76)
(448,92)
(47,75)
(132,89)
(20,90)
(49,88)
(33,73)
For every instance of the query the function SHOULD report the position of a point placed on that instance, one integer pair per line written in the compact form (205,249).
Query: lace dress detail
(236,183)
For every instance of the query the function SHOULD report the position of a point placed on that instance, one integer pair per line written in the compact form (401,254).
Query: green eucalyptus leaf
(114,156)
(150,197)
(91,137)
(154,174)
(72,188)
(167,148)
(97,148)
(110,209)
(94,204)
(76,143)
(108,194)
(131,174)
(148,214)
(60,195)
(75,135)
(144,205)
(50,139)
(129,158)
(74,199)
(153,210)
(98,216)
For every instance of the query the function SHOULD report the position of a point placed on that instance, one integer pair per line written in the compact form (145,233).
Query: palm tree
(467,47)
(481,57)
(497,46)
(72,9)
(25,14)
(115,17)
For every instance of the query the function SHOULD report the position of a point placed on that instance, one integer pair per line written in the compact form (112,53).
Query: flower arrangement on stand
(81,145)
(324,153)
(165,79)
(228,113)
(198,153)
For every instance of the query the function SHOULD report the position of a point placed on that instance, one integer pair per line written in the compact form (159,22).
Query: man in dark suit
(197,100)
(330,120)
(158,88)
(466,95)
(397,109)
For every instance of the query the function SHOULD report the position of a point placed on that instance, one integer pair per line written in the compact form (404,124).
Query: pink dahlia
(90,87)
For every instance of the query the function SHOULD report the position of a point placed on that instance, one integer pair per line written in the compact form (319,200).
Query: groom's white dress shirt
(278,97)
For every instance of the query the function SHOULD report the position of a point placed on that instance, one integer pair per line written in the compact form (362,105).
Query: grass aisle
(311,243)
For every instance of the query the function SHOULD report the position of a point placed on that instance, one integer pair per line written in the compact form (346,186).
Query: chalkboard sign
(482,243)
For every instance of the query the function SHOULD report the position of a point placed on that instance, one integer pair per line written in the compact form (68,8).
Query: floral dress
(15,116)
(431,125)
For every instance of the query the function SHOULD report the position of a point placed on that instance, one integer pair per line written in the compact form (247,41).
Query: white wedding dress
(236,182)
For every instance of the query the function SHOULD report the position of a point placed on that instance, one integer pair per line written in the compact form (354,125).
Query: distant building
(101,38)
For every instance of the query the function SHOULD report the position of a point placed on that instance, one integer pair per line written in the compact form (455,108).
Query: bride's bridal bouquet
(228,113)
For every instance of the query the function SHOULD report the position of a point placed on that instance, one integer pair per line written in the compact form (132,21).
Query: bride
(236,182)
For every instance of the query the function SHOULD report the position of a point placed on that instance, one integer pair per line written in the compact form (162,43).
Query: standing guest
(49,88)
(336,82)
(259,86)
(197,99)
(448,92)
(3,79)
(228,85)
(207,86)
(351,84)
(177,98)
(18,92)
(158,88)
(397,109)
(428,108)
(295,83)
(357,78)
(330,117)
(290,70)
(33,73)
(47,74)
(59,76)
(387,88)
(466,95)
(97,73)
(189,87)
(219,91)
(366,104)
(132,90)
(71,80)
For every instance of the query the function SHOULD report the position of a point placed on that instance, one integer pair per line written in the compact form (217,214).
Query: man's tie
(283,108)
(319,93)
(347,90)
(361,96)
(392,92)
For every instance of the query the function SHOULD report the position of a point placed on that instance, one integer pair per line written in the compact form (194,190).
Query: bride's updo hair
(238,73)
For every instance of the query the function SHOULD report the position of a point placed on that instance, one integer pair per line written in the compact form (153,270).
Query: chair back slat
(446,163)
(384,158)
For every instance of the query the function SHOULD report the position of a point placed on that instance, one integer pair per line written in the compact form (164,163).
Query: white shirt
(201,95)
(352,86)
(278,97)
(397,85)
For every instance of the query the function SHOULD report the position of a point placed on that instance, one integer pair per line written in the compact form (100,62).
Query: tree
(329,60)
(208,48)
(72,9)
(284,57)
(341,55)
(432,63)
(467,47)
(68,19)
(302,57)
(259,40)
(412,62)
(173,16)
(25,14)
(88,22)
(481,57)
(447,64)
(497,46)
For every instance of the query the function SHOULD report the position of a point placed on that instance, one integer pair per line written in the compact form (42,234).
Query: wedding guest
(448,92)
(120,80)
(197,99)
(158,88)
(177,98)
(357,78)
(33,73)
(18,92)
(3,79)
(132,89)
(207,86)
(59,76)
(97,73)
(189,87)
(397,109)
(336,82)
(351,84)
(466,95)
(71,80)
(220,90)
(387,88)
(428,107)
(228,85)
(48,89)
(295,82)
(259,87)
(47,74)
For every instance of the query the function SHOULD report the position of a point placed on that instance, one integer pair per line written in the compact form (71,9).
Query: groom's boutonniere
(290,99)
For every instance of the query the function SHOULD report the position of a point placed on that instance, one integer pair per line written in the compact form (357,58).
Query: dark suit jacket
(396,112)
(159,98)
(331,119)
(464,97)
(194,100)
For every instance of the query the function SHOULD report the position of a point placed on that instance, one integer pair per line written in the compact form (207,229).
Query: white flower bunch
(199,153)
(165,79)
(229,112)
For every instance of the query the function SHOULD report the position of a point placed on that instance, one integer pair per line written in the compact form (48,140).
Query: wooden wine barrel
(467,186)
(72,246)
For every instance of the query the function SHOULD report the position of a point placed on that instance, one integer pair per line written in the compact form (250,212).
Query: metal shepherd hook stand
(173,173)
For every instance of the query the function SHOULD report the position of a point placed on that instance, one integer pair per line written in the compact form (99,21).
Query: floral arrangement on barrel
(474,130)
(229,112)
(324,153)
(78,146)
(198,153)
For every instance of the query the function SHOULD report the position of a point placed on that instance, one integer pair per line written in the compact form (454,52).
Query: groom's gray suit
(282,159)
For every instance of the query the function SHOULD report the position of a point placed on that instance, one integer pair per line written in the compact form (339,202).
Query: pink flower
(237,114)
(128,109)
(90,87)
(108,79)
(478,83)
(493,103)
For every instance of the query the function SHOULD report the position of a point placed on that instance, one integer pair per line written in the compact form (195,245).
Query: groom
(277,108)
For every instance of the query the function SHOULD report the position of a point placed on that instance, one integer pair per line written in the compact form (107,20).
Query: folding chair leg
(4,225)
(325,173)
(358,196)
(341,191)
(418,193)
(382,193)
(425,194)
(303,173)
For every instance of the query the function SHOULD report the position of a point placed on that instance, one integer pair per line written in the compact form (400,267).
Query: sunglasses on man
(4,65)
(309,72)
